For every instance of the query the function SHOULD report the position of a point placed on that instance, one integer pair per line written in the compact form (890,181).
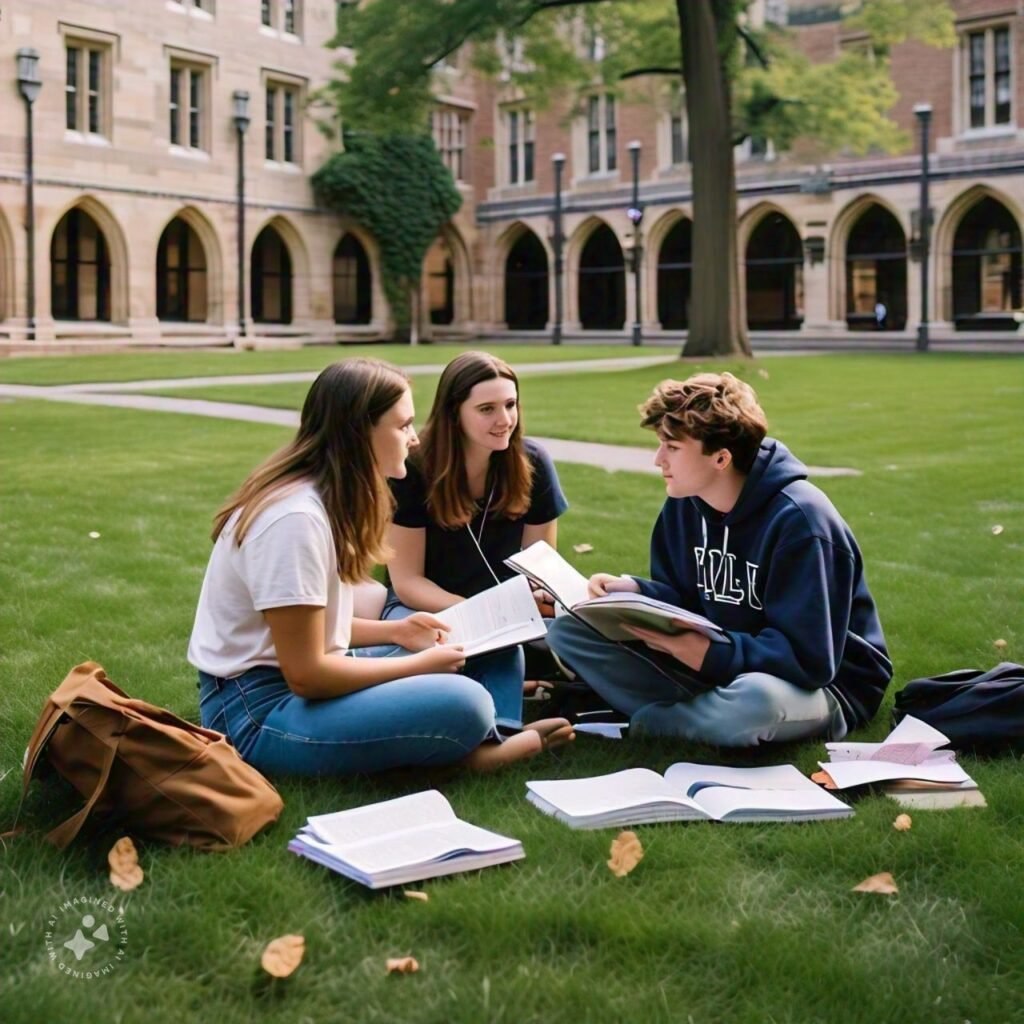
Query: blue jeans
(500,672)
(432,719)
(753,708)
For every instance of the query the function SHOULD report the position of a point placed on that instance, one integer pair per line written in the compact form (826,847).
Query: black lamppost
(29,84)
(241,117)
(636,214)
(559,240)
(923,113)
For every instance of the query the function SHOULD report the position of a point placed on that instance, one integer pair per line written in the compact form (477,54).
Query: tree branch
(753,46)
(637,72)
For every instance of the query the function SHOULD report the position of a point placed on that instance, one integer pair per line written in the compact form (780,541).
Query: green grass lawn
(718,923)
(215,362)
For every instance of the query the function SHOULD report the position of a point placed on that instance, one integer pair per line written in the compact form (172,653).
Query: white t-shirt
(287,558)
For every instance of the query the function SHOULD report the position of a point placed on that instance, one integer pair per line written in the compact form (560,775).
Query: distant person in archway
(881,315)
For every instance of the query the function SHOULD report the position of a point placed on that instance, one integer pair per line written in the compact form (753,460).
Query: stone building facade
(136,190)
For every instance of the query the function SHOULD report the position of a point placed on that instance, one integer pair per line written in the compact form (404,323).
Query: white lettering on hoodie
(717,577)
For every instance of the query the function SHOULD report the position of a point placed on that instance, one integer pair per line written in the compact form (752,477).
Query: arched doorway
(526,284)
(352,284)
(440,273)
(79,269)
(876,270)
(602,282)
(775,275)
(675,261)
(271,279)
(181,274)
(986,268)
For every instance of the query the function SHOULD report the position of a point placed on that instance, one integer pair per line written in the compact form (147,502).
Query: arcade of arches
(979,258)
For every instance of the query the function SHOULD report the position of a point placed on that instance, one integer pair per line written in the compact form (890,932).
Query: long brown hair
(441,456)
(333,451)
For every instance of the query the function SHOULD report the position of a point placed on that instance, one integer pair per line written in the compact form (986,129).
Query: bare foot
(535,738)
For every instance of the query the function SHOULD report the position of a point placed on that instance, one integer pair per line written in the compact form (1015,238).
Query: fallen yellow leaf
(583,549)
(999,645)
(125,872)
(902,823)
(402,965)
(413,894)
(762,373)
(996,530)
(626,853)
(283,955)
(882,883)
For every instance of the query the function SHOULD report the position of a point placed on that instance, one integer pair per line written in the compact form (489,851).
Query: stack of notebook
(398,841)
(909,766)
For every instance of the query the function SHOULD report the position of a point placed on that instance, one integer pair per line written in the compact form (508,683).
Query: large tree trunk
(717,321)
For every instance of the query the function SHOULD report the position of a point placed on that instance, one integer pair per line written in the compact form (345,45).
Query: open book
(908,766)
(546,568)
(403,840)
(502,616)
(687,792)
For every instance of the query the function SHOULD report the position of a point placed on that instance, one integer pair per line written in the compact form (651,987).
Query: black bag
(974,709)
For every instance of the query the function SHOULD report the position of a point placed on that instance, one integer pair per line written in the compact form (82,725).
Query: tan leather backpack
(154,773)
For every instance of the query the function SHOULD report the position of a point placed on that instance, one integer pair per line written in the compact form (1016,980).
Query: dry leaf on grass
(996,530)
(626,853)
(583,549)
(999,645)
(123,859)
(882,883)
(283,955)
(402,965)
(93,535)
(902,823)
(824,779)
(762,373)
(414,894)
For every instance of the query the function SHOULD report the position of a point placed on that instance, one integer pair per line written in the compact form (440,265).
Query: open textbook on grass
(686,792)
(546,568)
(403,840)
(499,617)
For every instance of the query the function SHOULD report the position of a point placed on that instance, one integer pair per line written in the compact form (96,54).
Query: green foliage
(540,51)
(398,188)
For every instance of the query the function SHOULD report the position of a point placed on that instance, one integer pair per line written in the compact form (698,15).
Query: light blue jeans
(754,708)
(421,720)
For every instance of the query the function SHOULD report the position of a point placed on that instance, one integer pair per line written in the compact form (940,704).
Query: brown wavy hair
(332,449)
(716,409)
(441,454)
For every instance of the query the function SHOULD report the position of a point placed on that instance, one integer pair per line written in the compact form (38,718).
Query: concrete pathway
(118,395)
(307,376)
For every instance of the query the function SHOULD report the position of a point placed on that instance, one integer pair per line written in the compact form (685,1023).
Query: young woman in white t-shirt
(275,633)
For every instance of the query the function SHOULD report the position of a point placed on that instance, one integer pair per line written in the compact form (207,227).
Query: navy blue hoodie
(782,574)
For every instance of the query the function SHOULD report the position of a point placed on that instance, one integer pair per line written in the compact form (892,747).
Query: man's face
(687,471)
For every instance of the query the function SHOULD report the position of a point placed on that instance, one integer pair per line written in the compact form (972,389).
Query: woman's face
(489,414)
(393,436)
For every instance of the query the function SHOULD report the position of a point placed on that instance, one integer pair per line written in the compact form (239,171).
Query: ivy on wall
(396,187)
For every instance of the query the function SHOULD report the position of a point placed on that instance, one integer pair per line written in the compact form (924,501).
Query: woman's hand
(688,647)
(441,658)
(602,583)
(419,632)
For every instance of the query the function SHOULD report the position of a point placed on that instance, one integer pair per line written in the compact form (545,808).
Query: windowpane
(678,140)
(288,125)
(1002,75)
(175,107)
(94,90)
(289,16)
(268,132)
(71,89)
(265,11)
(527,145)
(610,143)
(594,134)
(195,85)
(513,146)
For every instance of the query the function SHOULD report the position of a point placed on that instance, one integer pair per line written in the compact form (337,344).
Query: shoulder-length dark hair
(441,456)
(333,450)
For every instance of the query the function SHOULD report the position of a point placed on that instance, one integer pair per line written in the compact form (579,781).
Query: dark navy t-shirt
(452,560)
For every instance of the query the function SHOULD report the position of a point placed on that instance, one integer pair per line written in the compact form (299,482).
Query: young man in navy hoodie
(746,541)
